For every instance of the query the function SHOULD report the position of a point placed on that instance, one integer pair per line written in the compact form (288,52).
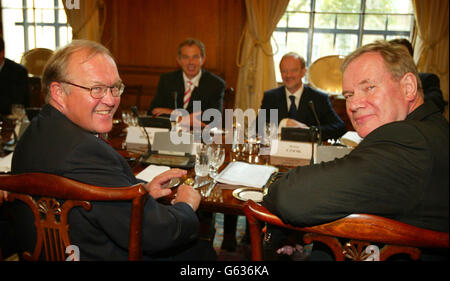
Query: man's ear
(57,95)
(303,72)
(409,87)
(203,60)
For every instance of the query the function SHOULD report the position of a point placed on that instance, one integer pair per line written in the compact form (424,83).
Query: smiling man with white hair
(398,171)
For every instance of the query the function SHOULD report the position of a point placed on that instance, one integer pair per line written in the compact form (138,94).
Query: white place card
(293,149)
(136,137)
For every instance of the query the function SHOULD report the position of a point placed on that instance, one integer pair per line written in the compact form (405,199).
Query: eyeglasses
(99,92)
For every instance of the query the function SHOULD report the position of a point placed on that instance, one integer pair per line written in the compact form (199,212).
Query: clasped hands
(185,193)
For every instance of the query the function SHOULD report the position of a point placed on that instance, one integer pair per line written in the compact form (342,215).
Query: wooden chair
(361,230)
(229,98)
(41,191)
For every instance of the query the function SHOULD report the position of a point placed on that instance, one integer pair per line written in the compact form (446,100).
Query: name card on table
(293,149)
(136,139)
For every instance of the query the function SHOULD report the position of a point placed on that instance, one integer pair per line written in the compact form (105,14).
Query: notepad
(241,173)
(151,171)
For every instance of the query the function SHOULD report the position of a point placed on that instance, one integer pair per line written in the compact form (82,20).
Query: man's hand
(3,196)
(157,187)
(161,110)
(191,120)
(294,123)
(189,195)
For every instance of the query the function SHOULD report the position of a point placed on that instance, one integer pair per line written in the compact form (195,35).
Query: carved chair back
(51,197)
(360,230)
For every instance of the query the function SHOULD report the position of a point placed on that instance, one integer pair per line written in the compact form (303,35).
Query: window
(29,24)
(318,28)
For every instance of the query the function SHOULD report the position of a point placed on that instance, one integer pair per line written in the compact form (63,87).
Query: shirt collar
(297,94)
(194,80)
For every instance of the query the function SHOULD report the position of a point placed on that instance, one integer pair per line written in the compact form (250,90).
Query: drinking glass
(202,161)
(18,111)
(216,153)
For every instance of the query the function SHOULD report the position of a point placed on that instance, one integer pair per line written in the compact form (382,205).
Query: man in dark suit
(83,97)
(179,89)
(299,113)
(13,83)
(398,171)
(431,84)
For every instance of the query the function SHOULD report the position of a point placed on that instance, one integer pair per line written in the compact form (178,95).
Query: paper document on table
(5,163)
(241,173)
(151,171)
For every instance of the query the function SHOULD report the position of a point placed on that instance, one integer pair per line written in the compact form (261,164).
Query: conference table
(221,199)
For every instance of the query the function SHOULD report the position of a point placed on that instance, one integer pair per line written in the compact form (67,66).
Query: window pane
(297,42)
(345,44)
(31,38)
(323,45)
(369,38)
(372,22)
(46,37)
(389,6)
(45,15)
(11,4)
(65,35)
(299,5)
(348,21)
(399,23)
(14,45)
(43,4)
(280,39)
(298,20)
(30,15)
(62,17)
(325,20)
(338,6)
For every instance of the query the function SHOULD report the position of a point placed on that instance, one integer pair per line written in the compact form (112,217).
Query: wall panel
(143,36)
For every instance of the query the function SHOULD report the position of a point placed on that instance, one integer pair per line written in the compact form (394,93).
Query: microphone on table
(174,96)
(311,105)
(319,140)
(149,146)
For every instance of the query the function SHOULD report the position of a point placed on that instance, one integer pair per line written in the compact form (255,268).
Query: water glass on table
(18,111)
(216,153)
(201,161)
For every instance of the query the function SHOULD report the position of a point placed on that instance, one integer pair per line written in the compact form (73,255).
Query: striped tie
(187,94)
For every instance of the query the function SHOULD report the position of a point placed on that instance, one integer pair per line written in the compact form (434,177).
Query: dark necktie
(293,108)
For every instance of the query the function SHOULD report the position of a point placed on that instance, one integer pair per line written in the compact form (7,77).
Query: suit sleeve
(163,226)
(160,99)
(215,94)
(380,177)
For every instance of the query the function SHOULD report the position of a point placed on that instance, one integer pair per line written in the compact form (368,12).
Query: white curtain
(86,19)
(255,57)
(431,51)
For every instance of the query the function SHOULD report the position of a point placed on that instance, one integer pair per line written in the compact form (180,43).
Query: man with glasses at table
(83,90)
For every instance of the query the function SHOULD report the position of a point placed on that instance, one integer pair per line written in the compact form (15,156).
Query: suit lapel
(282,104)
(180,88)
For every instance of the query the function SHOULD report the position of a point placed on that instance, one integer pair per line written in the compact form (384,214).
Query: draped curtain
(86,19)
(431,48)
(255,56)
